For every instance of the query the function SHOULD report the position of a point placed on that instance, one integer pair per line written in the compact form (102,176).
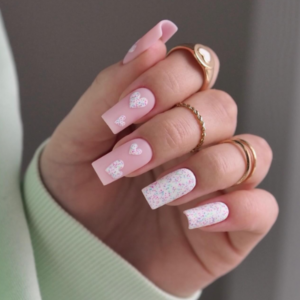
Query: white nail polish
(207,214)
(169,187)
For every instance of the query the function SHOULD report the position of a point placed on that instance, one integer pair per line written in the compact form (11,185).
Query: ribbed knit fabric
(46,254)
(71,262)
(18,280)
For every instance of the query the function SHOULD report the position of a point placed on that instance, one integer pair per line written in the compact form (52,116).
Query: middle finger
(169,135)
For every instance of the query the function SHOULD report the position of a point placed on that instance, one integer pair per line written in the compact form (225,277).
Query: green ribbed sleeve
(18,280)
(44,253)
(71,263)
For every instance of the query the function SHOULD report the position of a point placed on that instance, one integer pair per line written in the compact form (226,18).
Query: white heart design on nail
(121,121)
(114,169)
(136,101)
(134,150)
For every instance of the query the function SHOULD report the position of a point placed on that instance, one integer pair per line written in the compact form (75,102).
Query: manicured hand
(142,138)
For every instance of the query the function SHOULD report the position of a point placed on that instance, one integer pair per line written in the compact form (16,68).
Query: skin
(158,242)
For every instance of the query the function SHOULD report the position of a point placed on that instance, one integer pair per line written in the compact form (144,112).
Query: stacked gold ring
(249,155)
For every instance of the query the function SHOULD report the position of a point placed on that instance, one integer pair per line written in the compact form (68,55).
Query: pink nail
(131,108)
(122,160)
(169,187)
(207,214)
(164,30)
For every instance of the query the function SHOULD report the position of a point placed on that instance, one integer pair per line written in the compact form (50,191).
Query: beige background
(60,46)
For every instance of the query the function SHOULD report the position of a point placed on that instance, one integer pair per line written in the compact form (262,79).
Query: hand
(158,242)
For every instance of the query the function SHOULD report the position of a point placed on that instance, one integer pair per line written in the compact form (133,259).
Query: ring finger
(213,169)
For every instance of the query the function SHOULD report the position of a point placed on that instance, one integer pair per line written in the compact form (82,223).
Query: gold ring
(203,56)
(250,157)
(200,121)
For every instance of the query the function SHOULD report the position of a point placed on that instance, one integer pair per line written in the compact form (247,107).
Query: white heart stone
(205,54)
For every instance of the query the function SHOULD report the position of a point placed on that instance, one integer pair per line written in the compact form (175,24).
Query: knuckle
(218,166)
(164,79)
(175,132)
(225,105)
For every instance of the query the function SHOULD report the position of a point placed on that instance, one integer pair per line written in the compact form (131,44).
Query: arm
(18,278)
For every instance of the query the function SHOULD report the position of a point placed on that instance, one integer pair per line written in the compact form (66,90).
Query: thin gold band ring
(250,157)
(200,121)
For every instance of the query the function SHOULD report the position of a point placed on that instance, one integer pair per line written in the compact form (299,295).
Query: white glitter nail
(169,187)
(207,214)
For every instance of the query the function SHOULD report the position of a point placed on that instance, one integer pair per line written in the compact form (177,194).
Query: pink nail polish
(207,214)
(122,160)
(169,187)
(164,30)
(131,108)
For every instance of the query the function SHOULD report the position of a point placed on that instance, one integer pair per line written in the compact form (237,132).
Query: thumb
(83,135)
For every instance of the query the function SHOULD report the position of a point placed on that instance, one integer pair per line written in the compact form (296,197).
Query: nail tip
(165,35)
(106,121)
(144,192)
(168,29)
(93,164)
(169,22)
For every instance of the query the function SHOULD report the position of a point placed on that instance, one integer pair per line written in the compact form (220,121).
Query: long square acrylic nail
(207,214)
(170,187)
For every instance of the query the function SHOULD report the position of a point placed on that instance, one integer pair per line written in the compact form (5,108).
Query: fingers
(163,31)
(247,216)
(170,81)
(169,135)
(217,168)
(86,132)
(177,131)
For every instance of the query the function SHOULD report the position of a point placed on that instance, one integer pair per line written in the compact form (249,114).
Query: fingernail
(164,30)
(122,160)
(169,187)
(207,214)
(128,110)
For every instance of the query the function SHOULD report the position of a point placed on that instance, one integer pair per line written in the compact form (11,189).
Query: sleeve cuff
(71,262)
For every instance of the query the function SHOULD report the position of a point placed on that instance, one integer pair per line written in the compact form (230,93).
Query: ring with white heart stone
(204,58)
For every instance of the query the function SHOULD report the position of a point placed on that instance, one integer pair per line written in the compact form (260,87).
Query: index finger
(170,81)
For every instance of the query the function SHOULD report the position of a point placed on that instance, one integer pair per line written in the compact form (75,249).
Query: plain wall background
(60,46)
